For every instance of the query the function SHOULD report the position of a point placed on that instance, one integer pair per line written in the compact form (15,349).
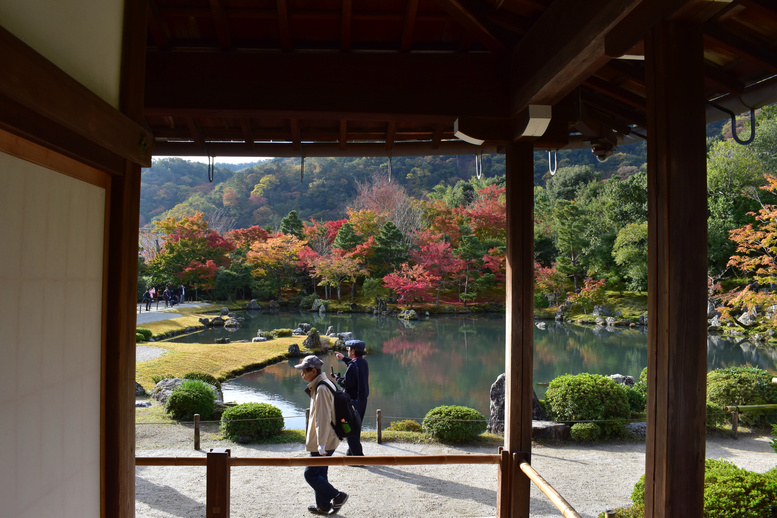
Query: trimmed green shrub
(451,423)
(147,334)
(407,425)
(643,376)
(278,333)
(202,376)
(637,400)
(729,492)
(588,397)
(585,432)
(139,338)
(251,421)
(744,386)
(627,512)
(191,397)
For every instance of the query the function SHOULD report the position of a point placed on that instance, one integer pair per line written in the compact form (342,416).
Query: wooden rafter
(409,25)
(473,24)
(343,133)
(565,46)
(721,79)
(391,133)
(754,53)
(155,27)
(345,31)
(765,8)
(248,132)
(283,24)
(220,24)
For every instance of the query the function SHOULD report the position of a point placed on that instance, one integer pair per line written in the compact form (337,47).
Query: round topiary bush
(454,423)
(744,386)
(279,333)
(202,376)
(588,397)
(729,492)
(585,432)
(147,334)
(716,416)
(189,398)
(407,425)
(251,421)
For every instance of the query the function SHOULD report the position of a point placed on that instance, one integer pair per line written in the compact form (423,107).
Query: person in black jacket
(356,383)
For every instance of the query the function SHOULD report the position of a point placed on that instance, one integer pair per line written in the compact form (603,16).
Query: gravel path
(591,478)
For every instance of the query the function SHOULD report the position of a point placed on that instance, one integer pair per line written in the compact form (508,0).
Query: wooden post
(519,344)
(307,419)
(217,496)
(735,424)
(677,278)
(379,419)
(196,431)
(504,483)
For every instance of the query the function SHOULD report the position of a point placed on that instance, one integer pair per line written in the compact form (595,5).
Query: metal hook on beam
(555,162)
(734,123)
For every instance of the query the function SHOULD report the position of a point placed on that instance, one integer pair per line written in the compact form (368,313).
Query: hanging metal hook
(734,123)
(389,166)
(479,163)
(301,166)
(555,162)
(211,167)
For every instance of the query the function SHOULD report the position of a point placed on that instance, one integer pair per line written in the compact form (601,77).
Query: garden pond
(449,360)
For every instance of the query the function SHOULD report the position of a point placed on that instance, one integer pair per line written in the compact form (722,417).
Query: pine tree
(390,250)
(292,225)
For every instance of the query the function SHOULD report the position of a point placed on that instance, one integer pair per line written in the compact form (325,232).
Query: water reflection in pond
(452,360)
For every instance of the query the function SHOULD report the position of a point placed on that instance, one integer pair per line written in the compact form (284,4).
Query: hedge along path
(222,361)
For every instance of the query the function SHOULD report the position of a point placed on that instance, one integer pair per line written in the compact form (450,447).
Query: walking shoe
(338,502)
(317,510)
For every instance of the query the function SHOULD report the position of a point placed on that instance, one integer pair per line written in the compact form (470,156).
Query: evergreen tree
(347,239)
(390,250)
(571,223)
(292,225)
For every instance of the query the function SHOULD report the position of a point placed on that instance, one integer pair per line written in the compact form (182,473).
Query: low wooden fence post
(217,493)
(196,431)
(735,423)
(307,418)
(379,419)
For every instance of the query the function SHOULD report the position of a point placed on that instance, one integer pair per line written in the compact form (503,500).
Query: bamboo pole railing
(562,505)
(736,409)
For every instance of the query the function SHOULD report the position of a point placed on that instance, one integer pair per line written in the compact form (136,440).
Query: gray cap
(310,361)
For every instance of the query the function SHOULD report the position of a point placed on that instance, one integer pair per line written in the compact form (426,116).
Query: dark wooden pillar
(520,321)
(120,288)
(677,248)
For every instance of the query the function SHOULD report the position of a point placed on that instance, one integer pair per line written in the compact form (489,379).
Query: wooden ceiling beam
(721,79)
(754,53)
(564,47)
(36,84)
(765,8)
(418,85)
(616,92)
(446,148)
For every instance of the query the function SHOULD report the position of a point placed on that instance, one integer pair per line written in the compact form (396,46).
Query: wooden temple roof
(359,78)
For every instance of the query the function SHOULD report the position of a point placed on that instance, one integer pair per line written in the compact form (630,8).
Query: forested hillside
(262,194)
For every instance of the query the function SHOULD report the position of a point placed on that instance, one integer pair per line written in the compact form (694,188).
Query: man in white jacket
(321,439)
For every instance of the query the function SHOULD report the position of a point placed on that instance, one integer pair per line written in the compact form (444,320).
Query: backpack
(347,421)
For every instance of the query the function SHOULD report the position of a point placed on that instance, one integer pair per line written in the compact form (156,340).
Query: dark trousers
(316,477)
(355,443)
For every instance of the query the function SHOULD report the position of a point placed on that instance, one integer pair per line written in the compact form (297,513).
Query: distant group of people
(171,295)
(321,439)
